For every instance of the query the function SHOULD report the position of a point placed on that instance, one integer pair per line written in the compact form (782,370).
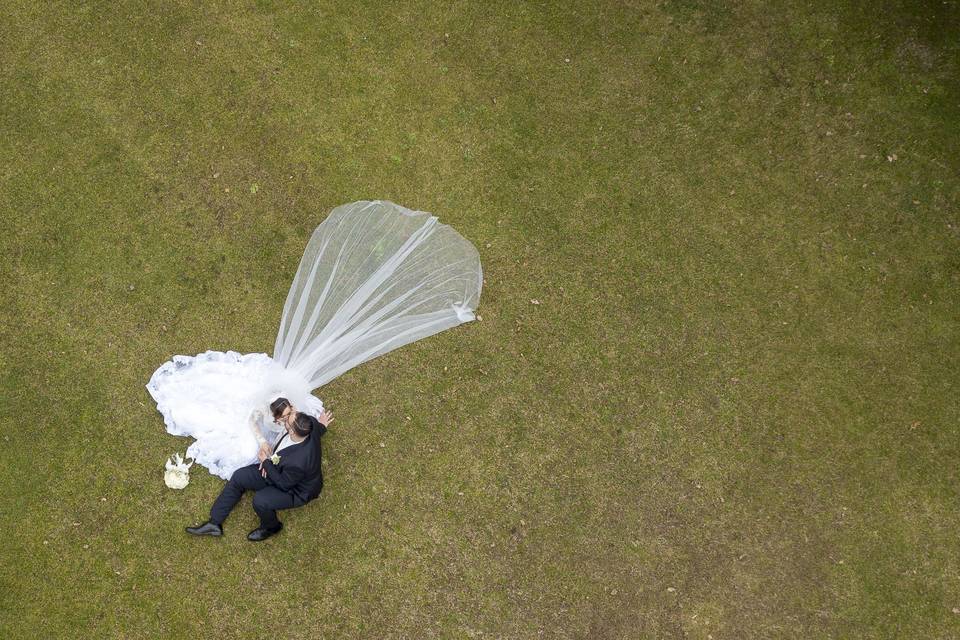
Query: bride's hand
(325,418)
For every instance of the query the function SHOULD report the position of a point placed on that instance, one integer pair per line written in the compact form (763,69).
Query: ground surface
(733,413)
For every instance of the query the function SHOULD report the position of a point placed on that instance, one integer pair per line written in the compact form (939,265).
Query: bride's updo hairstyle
(278,406)
(302,425)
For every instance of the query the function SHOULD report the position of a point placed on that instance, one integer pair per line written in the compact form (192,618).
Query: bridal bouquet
(177,474)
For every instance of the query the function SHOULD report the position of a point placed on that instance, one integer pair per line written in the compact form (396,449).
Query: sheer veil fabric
(374,276)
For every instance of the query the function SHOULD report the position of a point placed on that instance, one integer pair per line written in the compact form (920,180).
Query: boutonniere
(275,458)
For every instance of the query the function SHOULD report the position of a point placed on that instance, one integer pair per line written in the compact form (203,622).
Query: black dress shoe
(206,529)
(260,533)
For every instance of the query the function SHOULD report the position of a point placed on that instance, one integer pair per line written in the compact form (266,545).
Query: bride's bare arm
(255,419)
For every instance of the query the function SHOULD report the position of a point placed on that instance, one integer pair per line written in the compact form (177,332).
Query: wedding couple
(374,276)
(287,476)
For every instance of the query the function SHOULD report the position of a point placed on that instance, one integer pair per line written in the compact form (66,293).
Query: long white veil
(374,276)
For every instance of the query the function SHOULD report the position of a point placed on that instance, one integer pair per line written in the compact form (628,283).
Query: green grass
(734,413)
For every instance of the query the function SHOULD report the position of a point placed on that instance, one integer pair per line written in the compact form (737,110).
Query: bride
(374,276)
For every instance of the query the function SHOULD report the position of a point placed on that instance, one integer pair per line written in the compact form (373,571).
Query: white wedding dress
(374,276)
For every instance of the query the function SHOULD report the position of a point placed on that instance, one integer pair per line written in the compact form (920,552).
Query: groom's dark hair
(302,425)
(278,406)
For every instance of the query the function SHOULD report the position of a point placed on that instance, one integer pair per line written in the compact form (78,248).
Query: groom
(287,476)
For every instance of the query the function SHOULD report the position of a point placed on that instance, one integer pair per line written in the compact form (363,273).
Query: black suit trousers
(266,501)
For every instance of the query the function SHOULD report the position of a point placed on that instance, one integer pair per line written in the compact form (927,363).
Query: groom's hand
(325,418)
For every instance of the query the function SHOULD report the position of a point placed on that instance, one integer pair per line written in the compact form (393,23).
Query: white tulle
(374,276)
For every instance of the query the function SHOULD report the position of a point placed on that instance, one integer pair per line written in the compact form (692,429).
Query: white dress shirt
(285,441)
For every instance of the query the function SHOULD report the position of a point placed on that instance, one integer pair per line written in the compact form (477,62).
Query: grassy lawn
(733,414)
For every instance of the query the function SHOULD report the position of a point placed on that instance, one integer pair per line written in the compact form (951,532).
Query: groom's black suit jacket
(299,470)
